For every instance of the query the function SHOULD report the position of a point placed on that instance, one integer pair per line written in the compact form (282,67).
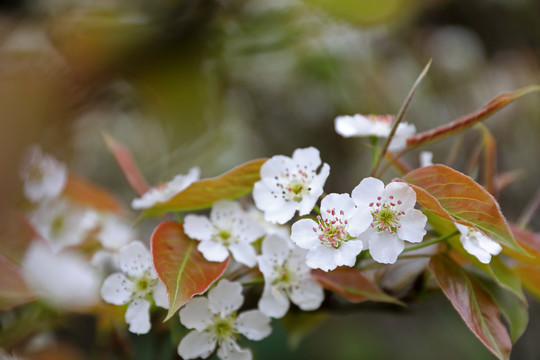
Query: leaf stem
(316,209)
(253,282)
(399,117)
(374,151)
(431,242)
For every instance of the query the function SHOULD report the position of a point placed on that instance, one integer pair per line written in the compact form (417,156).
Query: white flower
(165,192)
(375,125)
(136,284)
(228,229)
(288,185)
(393,218)
(333,240)
(426,158)
(63,279)
(114,232)
(215,323)
(478,244)
(44,177)
(62,223)
(286,275)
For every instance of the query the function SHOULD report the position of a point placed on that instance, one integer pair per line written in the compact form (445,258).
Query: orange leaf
(127,165)
(530,276)
(474,305)
(181,267)
(353,285)
(529,241)
(203,193)
(463,199)
(13,290)
(83,192)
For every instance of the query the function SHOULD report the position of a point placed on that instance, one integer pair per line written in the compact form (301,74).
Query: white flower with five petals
(478,244)
(375,125)
(216,324)
(332,240)
(392,215)
(228,229)
(137,284)
(290,184)
(167,191)
(286,275)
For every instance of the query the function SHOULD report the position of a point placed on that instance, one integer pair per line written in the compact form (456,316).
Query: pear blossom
(167,191)
(44,177)
(290,184)
(392,215)
(286,275)
(426,158)
(62,278)
(478,244)
(63,224)
(332,240)
(374,125)
(228,229)
(216,324)
(137,284)
(114,232)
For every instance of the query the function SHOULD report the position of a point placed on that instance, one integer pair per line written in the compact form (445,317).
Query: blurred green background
(217,83)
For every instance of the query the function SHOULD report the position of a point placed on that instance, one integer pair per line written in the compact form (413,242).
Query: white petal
(309,157)
(321,257)
(302,234)
(246,230)
(359,220)
(367,191)
(160,295)
(198,227)
(385,248)
(229,350)
(356,125)
(488,244)
(276,248)
(213,251)
(197,344)
(403,192)
(117,289)
(337,202)
(273,302)
(114,232)
(464,230)
(223,212)
(282,214)
(196,314)
(297,261)
(346,254)
(309,200)
(472,248)
(399,141)
(138,316)
(225,298)
(308,294)
(266,267)
(244,253)
(253,324)
(413,225)
(426,158)
(275,166)
(134,259)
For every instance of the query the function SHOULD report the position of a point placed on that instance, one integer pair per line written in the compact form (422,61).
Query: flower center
(58,225)
(385,215)
(294,184)
(284,278)
(333,229)
(224,237)
(223,328)
(35,173)
(143,285)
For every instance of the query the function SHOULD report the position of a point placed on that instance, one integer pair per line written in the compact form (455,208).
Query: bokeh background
(216,83)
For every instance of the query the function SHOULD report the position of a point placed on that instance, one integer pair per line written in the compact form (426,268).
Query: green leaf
(506,277)
(474,305)
(203,193)
(13,290)
(453,195)
(353,285)
(181,267)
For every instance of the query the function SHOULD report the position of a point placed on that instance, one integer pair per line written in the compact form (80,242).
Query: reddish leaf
(474,305)
(13,290)
(126,163)
(469,120)
(530,276)
(462,198)
(527,240)
(353,285)
(181,267)
(82,192)
(202,194)
(490,159)
(16,234)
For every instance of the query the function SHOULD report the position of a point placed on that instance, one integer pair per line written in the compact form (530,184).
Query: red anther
(379,198)
(391,197)
(378,204)
(392,204)
(315,229)
(346,222)
(328,211)
(372,225)
(341,213)
(370,204)
(399,202)
(318,217)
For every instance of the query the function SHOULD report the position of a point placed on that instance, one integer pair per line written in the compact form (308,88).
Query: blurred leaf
(474,305)
(126,163)
(300,324)
(469,120)
(506,277)
(490,158)
(181,267)
(527,240)
(203,193)
(84,193)
(13,290)
(530,275)
(353,285)
(462,198)
(16,234)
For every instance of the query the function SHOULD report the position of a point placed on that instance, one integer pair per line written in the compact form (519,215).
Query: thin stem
(374,151)
(253,282)
(529,211)
(317,210)
(431,242)
(399,117)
